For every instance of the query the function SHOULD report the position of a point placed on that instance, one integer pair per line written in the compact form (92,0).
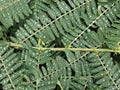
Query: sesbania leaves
(13,10)
(59,44)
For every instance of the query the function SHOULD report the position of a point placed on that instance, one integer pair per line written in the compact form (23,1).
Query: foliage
(59,44)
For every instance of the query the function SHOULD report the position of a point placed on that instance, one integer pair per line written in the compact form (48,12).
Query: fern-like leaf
(106,72)
(13,10)
(10,73)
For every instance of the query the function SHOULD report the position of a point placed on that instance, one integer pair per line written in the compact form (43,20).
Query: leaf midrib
(22,41)
(12,84)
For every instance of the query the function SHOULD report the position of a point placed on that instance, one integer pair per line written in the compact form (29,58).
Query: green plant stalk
(71,49)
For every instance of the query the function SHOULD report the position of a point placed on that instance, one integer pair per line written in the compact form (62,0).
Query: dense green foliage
(59,44)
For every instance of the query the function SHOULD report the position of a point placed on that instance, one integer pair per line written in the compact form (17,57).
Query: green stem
(71,49)
(58,82)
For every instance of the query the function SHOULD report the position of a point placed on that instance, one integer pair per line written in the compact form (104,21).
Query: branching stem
(71,49)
